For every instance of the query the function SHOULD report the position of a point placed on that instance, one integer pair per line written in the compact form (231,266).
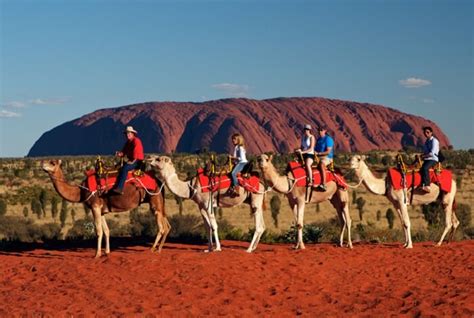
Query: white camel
(339,198)
(399,199)
(206,201)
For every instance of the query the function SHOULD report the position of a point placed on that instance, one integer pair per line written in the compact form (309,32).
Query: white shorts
(326,160)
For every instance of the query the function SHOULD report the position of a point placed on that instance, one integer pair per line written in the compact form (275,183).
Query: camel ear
(59,162)
(363,157)
(270,157)
(167,159)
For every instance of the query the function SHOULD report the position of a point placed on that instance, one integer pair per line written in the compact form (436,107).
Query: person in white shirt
(239,158)
(308,142)
(430,157)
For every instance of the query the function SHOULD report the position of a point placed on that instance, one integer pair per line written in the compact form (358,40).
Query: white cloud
(234,90)
(427,100)
(14,104)
(8,114)
(413,82)
(48,101)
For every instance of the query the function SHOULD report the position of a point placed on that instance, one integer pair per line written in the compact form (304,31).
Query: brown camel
(101,204)
(297,199)
(399,199)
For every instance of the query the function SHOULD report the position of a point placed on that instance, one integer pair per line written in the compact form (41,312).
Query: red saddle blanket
(299,173)
(223,182)
(106,183)
(443,179)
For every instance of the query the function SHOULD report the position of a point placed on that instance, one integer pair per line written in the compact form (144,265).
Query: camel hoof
(409,246)
(97,256)
(218,250)
(350,246)
(153,249)
(438,245)
(249,250)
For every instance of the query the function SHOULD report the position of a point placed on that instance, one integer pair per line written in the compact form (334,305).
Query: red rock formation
(267,125)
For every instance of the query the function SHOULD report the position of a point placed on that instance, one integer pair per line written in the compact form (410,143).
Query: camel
(105,203)
(206,200)
(339,198)
(399,198)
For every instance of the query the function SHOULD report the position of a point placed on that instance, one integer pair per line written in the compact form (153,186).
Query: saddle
(405,176)
(299,173)
(103,178)
(212,178)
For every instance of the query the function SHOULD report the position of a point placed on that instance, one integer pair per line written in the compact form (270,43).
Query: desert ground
(377,280)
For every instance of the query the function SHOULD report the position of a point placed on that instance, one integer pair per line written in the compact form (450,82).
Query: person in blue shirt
(325,151)
(430,157)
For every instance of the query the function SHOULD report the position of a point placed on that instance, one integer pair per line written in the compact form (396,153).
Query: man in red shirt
(133,151)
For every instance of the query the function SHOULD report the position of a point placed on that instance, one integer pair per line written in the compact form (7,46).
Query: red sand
(370,280)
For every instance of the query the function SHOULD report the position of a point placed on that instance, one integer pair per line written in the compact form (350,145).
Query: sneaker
(117,191)
(321,187)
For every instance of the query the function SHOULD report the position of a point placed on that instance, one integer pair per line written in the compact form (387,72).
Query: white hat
(130,129)
(307,127)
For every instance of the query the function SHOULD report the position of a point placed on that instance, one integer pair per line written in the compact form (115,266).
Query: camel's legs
(396,205)
(207,224)
(97,213)
(212,219)
(105,227)
(406,224)
(259,225)
(300,223)
(345,220)
(163,230)
(451,220)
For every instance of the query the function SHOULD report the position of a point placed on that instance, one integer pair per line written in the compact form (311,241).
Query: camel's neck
(178,187)
(278,182)
(68,192)
(372,183)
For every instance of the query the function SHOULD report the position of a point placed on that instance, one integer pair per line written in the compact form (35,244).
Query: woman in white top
(307,150)
(239,158)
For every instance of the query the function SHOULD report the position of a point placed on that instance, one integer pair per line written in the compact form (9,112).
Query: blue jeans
(238,167)
(425,171)
(122,177)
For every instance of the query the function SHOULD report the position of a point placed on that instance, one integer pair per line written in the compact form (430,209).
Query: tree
(25,212)
(360,202)
(36,207)
(43,199)
(73,215)
(379,215)
(54,206)
(3,207)
(179,202)
(63,214)
(275,204)
(463,212)
(390,217)
(433,213)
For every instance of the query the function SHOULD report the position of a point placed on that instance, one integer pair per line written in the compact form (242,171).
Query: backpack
(441,156)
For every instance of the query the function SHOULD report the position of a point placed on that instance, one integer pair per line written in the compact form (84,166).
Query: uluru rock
(267,125)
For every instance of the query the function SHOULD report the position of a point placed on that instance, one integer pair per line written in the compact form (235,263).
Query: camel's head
(357,161)
(161,164)
(264,161)
(51,166)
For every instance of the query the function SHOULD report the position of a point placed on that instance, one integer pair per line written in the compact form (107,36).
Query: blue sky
(63,59)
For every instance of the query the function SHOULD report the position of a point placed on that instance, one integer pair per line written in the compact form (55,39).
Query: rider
(240,160)
(307,150)
(325,151)
(133,150)
(430,157)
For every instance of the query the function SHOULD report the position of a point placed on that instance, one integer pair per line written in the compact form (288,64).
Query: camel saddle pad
(106,183)
(213,184)
(299,173)
(442,179)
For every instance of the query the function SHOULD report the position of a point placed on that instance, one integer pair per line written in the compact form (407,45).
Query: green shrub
(13,228)
(189,227)
(142,224)
(82,229)
(3,207)
(312,233)
(275,204)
